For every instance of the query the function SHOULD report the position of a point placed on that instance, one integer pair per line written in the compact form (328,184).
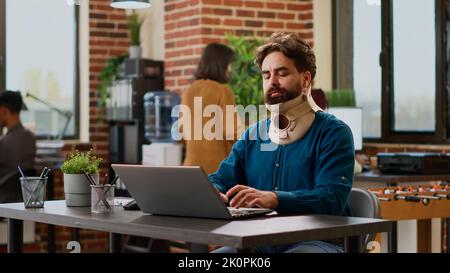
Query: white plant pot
(134,52)
(77,190)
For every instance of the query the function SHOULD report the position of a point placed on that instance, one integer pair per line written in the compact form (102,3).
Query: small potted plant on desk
(77,189)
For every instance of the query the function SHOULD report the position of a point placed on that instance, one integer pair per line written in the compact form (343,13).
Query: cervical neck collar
(291,120)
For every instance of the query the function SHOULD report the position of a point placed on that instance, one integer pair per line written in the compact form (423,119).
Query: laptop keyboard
(238,212)
(244,213)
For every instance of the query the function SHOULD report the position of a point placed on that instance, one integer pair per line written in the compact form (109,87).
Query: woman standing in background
(212,75)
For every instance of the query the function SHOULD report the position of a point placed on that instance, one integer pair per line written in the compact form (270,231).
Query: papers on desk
(50,144)
(120,201)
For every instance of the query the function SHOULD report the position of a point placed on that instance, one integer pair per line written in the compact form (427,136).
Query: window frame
(388,134)
(2,45)
(76,94)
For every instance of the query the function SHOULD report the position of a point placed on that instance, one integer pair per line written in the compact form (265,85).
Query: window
(40,58)
(357,43)
(398,69)
(447,48)
(367,75)
(414,65)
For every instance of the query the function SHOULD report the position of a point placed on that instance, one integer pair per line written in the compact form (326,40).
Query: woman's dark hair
(214,63)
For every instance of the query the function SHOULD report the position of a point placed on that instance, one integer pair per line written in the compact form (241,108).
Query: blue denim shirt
(314,175)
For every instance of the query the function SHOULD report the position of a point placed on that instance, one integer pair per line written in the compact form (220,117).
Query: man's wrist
(275,200)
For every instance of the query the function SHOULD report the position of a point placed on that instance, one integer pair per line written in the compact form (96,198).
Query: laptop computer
(178,191)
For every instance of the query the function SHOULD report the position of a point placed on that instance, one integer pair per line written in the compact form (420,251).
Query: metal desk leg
(51,239)
(15,235)
(244,250)
(392,238)
(448,235)
(51,248)
(198,248)
(352,244)
(75,235)
(115,243)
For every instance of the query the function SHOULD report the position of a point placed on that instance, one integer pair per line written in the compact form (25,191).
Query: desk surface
(262,231)
(376,176)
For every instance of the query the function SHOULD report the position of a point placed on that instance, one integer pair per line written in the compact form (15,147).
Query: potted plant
(107,77)
(341,98)
(246,80)
(77,189)
(134,25)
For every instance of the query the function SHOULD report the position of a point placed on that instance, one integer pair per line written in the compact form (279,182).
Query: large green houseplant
(246,80)
(77,189)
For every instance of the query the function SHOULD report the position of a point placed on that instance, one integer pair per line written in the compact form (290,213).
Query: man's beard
(282,95)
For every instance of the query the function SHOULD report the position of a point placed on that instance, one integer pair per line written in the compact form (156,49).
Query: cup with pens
(102,195)
(33,188)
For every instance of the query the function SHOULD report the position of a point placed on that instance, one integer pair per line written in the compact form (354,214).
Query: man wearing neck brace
(310,170)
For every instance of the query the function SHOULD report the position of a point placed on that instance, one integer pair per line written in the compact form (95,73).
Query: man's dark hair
(11,100)
(214,63)
(293,47)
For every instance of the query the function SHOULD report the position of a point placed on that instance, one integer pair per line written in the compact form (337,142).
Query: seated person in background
(18,145)
(305,165)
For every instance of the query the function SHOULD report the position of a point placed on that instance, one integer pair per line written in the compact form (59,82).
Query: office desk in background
(410,211)
(375,176)
(243,234)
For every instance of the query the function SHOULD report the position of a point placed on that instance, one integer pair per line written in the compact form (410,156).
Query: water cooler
(125,109)
(162,149)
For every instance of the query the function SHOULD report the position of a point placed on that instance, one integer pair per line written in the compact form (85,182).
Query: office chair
(364,204)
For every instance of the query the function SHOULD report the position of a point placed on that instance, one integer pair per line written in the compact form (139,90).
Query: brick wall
(191,24)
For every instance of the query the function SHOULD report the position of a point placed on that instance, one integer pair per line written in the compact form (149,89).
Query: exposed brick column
(108,37)
(191,24)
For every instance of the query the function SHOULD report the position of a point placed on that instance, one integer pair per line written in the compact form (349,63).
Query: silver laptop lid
(175,191)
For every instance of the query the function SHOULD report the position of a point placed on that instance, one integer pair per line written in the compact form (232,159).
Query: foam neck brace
(291,120)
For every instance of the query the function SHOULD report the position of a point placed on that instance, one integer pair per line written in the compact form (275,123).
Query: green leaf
(77,163)
(107,77)
(341,98)
(246,80)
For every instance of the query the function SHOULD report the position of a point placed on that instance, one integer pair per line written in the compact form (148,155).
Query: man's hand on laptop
(246,197)
(223,196)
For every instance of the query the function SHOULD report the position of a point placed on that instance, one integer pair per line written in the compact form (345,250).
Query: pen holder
(33,191)
(102,198)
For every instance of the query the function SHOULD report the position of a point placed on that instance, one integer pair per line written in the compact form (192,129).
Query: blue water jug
(158,107)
